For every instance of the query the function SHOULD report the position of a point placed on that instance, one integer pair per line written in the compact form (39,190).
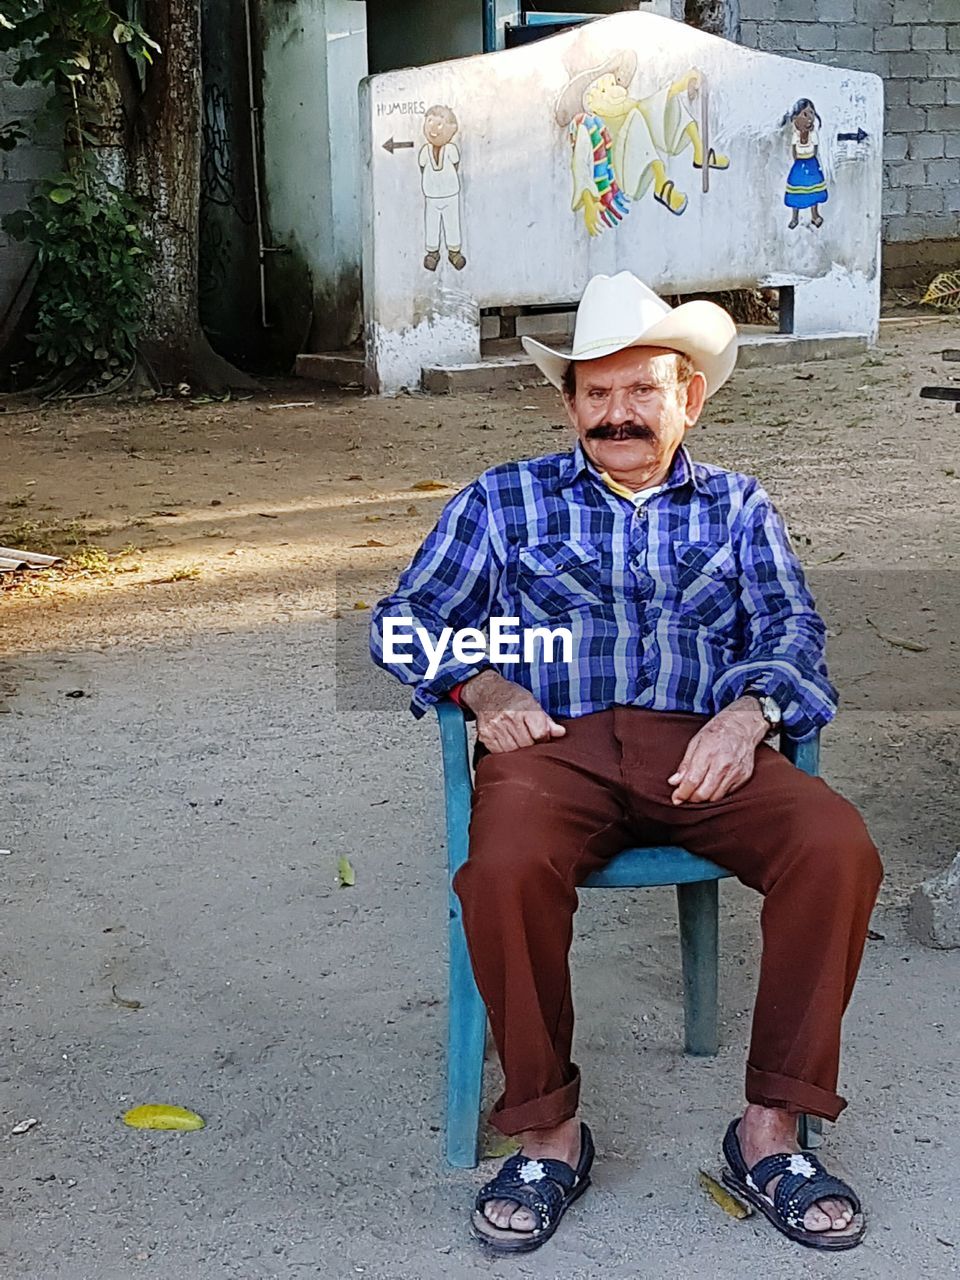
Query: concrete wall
(19,171)
(915,46)
(525,162)
(314,56)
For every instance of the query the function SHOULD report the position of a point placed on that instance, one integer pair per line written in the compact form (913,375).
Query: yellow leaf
(361,604)
(499,1146)
(346,877)
(944,292)
(718,1192)
(161,1116)
(428,485)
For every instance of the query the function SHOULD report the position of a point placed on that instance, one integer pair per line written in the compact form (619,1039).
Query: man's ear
(696,398)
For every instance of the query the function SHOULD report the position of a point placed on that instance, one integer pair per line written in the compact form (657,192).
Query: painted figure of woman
(806,184)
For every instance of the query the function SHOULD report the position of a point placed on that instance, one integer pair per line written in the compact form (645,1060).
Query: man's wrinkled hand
(508,716)
(721,757)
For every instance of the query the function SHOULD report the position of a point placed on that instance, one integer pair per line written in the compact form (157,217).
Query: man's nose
(618,409)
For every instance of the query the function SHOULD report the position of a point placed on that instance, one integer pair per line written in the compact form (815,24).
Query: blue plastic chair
(697,902)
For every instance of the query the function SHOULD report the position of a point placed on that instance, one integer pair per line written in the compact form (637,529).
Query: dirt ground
(173,835)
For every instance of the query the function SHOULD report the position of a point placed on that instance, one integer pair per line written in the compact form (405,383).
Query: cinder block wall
(915,46)
(19,171)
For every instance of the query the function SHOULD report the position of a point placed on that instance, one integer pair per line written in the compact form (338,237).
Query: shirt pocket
(558,579)
(707,583)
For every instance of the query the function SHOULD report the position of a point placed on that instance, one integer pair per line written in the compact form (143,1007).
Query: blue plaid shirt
(680,604)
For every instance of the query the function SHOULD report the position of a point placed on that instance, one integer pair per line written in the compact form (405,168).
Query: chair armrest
(805,755)
(457,784)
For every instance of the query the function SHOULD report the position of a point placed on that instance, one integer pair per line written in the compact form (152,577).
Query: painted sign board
(635,142)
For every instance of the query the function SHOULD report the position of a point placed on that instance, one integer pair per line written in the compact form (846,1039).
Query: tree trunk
(163,167)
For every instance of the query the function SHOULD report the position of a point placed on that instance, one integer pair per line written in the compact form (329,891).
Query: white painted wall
(524,245)
(314,56)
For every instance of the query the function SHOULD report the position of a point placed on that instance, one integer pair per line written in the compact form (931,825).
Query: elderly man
(694,639)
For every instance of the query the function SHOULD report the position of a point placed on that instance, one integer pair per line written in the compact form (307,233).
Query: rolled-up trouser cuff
(767,1089)
(540,1113)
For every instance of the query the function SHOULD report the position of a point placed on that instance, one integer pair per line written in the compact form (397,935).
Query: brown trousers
(547,816)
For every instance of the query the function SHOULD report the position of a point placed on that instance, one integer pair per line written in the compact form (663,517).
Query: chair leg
(697,905)
(810,1132)
(467,1025)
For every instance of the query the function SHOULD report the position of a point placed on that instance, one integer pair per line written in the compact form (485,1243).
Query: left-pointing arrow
(392,146)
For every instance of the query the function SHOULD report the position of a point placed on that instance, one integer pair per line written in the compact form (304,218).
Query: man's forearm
(475,686)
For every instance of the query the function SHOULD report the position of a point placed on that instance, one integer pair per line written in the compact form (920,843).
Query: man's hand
(720,758)
(508,716)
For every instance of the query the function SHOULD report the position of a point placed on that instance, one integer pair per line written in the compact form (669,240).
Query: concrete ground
(174,834)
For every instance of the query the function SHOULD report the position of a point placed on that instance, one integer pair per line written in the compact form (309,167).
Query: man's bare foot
(561,1143)
(767,1131)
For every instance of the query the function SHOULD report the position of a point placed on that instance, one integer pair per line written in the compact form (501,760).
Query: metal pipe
(255,143)
(489,25)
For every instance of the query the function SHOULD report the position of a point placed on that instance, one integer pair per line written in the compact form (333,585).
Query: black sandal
(546,1187)
(663,197)
(803,1181)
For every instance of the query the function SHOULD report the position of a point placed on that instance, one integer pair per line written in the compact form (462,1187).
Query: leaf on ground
(361,604)
(413,511)
(156,1115)
(943,292)
(124,1004)
(499,1147)
(370,542)
(428,486)
(899,642)
(346,876)
(728,1202)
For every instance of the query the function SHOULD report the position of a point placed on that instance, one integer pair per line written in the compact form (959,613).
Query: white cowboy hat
(619,311)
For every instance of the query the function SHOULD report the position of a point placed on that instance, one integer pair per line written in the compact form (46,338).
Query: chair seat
(661,865)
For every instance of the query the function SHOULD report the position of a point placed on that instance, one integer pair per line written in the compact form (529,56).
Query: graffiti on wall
(806,183)
(439,160)
(625,144)
(221,199)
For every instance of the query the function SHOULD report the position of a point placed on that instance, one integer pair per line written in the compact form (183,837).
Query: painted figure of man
(622,145)
(439,162)
(695,639)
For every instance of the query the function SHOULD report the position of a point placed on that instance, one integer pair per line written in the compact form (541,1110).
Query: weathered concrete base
(756,350)
(335,368)
(935,909)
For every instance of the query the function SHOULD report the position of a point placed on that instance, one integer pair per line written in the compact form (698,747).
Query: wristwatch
(769,708)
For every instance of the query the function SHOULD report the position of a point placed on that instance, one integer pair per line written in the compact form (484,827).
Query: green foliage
(93,285)
(52,38)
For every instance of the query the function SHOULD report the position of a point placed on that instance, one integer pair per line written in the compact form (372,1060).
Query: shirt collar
(682,471)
